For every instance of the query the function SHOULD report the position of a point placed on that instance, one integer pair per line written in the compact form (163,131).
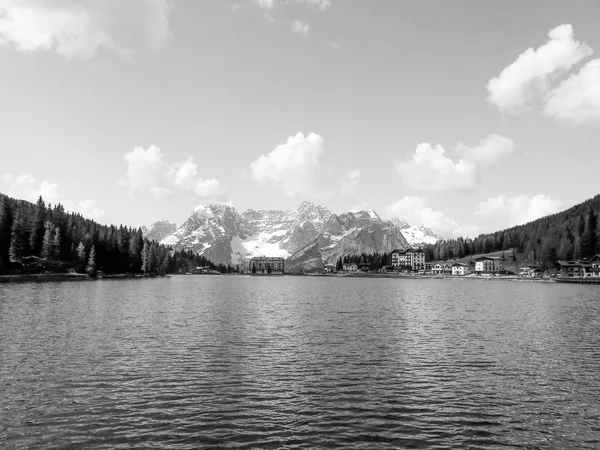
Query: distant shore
(27,277)
(423,276)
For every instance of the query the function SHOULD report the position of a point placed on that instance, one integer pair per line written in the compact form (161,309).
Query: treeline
(37,237)
(569,235)
(183,261)
(375,260)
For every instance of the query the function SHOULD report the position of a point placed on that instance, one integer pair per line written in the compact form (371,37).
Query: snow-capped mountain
(308,237)
(416,236)
(159,230)
(360,232)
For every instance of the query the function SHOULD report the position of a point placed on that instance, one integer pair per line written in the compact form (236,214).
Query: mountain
(567,235)
(360,232)
(416,236)
(159,230)
(308,237)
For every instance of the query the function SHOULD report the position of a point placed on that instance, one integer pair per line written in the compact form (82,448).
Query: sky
(463,116)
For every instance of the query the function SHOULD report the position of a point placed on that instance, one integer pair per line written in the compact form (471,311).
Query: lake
(299,362)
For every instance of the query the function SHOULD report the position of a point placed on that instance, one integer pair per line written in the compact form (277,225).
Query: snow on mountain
(308,237)
(159,230)
(416,236)
(349,233)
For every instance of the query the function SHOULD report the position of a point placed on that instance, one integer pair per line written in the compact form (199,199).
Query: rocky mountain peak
(307,237)
(159,230)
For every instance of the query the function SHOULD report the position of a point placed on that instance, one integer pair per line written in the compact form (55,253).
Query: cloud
(291,167)
(265,4)
(490,149)
(148,172)
(576,101)
(430,169)
(300,27)
(350,182)
(78,29)
(27,187)
(235,8)
(416,211)
(270,5)
(88,209)
(334,46)
(533,72)
(503,212)
(360,207)
(319,4)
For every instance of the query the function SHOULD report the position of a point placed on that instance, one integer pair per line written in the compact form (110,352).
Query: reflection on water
(299,362)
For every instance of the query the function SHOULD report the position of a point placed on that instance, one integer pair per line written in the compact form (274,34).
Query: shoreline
(426,277)
(31,277)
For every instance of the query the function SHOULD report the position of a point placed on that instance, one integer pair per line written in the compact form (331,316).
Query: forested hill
(570,234)
(37,237)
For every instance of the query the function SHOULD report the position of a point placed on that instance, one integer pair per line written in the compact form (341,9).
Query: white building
(441,269)
(410,258)
(460,269)
(488,264)
(267,266)
(350,267)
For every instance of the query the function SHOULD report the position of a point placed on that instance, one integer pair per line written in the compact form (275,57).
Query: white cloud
(300,27)
(350,182)
(291,167)
(78,29)
(269,5)
(265,4)
(334,46)
(490,149)
(360,207)
(235,8)
(88,209)
(27,187)
(533,72)
(148,172)
(319,4)
(416,211)
(576,101)
(430,169)
(502,211)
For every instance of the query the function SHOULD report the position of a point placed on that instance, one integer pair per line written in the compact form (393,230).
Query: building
(364,267)
(460,269)
(488,264)
(264,265)
(580,269)
(350,267)
(441,269)
(329,268)
(532,271)
(409,259)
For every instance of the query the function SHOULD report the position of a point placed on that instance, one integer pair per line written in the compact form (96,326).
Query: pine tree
(56,243)
(6,221)
(81,252)
(48,241)
(37,227)
(145,258)
(91,265)
(17,239)
(589,239)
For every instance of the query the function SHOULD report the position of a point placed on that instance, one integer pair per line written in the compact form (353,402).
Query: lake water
(299,362)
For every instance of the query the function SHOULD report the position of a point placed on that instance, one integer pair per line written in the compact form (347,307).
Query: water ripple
(292,362)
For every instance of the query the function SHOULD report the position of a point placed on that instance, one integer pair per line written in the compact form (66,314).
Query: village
(413,261)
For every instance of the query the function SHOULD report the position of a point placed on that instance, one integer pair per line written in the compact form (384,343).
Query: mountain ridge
(224,235)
